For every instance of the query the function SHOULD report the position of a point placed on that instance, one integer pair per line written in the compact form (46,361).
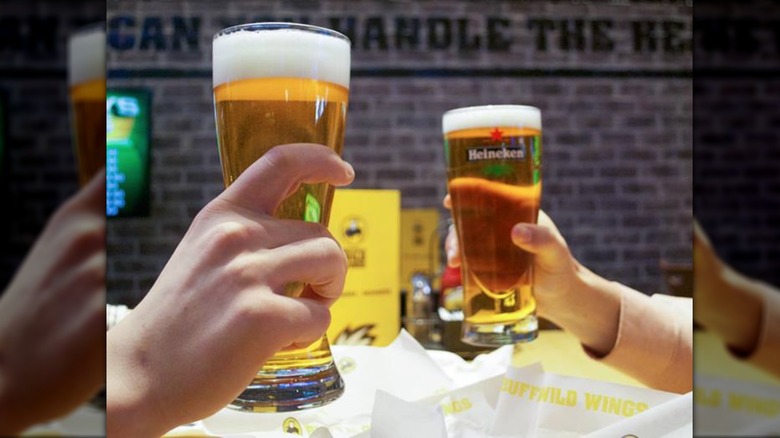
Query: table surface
(561,353)
(713,359)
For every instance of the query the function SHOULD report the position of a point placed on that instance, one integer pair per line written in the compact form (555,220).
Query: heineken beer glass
(493,158)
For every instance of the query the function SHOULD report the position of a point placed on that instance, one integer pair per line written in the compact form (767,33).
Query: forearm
(129,410)
(751,329)
(627,330)
(734,311)
(128,421)
(591,311)
(654,342)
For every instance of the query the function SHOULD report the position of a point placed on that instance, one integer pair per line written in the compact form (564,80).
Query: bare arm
(745,313)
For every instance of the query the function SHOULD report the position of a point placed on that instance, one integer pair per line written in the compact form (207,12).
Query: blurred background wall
(613,81)
(737,145)
(38,170)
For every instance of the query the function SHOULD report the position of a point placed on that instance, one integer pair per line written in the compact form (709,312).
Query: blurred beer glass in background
(493,158)
(275,84)
(87,88)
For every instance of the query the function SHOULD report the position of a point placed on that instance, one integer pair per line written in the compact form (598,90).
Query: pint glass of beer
(87,90)
(274,84)
(493,158)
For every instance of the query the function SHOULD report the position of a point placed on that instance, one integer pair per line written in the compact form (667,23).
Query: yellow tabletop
(713,359)
(561,353)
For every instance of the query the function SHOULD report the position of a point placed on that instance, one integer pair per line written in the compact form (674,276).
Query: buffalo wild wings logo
(353,229)
(353,233)
(359,336)
(291,425)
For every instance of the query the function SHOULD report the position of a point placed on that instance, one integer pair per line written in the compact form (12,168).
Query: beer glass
(274,84)
(87,91)
(493,156)
(87,96)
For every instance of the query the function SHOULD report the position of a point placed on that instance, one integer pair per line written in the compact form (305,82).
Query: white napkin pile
(402,390)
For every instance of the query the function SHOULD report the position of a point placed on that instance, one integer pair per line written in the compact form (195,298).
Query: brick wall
(39,168)
(616,113)
(737,181)
(736,178)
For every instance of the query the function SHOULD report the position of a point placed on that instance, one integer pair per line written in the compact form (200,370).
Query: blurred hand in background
(52,317)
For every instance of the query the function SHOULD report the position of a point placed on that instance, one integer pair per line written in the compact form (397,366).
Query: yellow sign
(419,244)
(367,225)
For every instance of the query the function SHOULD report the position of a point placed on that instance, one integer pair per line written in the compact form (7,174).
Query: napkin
(402,390)
(403,369)
(726,406)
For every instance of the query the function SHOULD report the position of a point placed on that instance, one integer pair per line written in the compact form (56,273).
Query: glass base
(291,390)
(498,334)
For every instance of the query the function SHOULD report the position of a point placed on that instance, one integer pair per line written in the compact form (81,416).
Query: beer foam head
(87,55)
(280,50)
(519,116)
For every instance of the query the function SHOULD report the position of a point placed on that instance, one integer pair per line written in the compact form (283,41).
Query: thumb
(93,194)
(277,174)
(547,245)
(90,200)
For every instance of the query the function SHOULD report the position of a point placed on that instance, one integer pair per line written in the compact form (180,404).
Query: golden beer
(494,179)
(87,90)
(286,106)
(275,84)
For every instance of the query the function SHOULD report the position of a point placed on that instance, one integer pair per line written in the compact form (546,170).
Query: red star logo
(496,135)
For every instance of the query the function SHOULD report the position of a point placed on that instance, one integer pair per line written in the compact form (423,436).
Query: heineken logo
(497,135)
(499,153)
(499,147)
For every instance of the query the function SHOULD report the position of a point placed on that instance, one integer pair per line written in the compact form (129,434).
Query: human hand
(556,271)
(218,309)
(566,292)
(52,317)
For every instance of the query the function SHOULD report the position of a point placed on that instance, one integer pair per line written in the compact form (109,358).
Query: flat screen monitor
(128,139)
